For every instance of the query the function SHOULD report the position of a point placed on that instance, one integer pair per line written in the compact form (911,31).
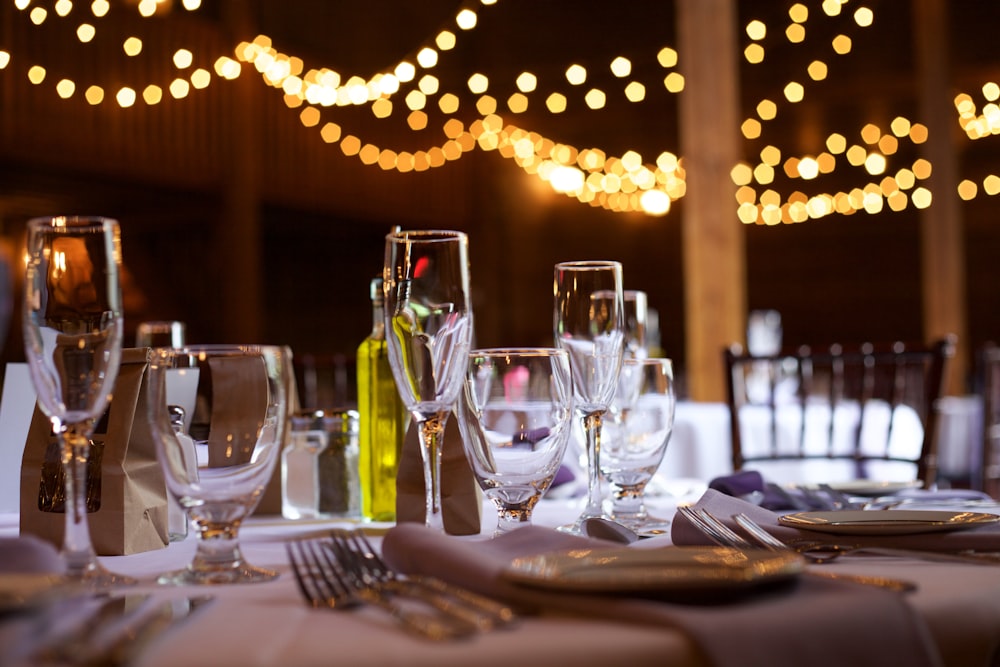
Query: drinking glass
(641,421)
(589,324)
(217,464)
(428,323)
(72,341)
(515,416)
(160,333)
(636,324)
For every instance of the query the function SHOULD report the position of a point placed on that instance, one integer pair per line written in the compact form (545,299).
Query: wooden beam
(712,236)
(942,226)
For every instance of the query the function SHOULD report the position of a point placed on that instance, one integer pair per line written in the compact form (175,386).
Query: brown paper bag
(126,494)
(461,497)
(270,500)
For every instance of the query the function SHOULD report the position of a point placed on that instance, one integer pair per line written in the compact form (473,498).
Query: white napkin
(29,555)
(805,623)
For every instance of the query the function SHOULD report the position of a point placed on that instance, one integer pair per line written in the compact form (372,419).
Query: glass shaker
(300,477)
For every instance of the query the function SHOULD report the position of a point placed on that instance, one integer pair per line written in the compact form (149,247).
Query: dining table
(956,607)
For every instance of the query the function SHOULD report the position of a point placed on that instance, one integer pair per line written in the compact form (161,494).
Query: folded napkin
(777,627)
(723,507)
(747,482)
(28,555)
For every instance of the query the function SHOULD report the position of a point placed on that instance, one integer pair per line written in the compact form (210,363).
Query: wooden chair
(988,371)
(326,381)
(870,409)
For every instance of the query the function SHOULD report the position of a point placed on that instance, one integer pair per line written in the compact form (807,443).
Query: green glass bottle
(383,419)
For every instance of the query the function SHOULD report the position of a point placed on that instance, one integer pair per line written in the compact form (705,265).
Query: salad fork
(351,546)
(324,582)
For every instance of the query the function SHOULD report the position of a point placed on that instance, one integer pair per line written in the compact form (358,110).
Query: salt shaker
(300,465)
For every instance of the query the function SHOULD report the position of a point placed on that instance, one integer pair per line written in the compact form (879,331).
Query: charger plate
(681,569)
(886,522)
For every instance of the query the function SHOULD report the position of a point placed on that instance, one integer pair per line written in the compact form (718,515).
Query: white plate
(22,591)
(886,522)
(867,487)
(682,569)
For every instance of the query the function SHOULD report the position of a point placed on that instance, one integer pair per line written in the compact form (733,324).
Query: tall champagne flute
(428,323)
(72,341)
(589,323)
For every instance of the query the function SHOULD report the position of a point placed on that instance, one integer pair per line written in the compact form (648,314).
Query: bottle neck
(378,319)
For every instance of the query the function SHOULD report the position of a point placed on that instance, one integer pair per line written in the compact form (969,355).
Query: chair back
(988,369)
(872,410)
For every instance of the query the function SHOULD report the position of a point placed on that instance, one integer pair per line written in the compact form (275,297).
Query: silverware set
(758,538)
(343,571)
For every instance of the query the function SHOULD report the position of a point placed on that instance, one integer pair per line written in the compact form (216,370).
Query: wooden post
(713,237)
(941,225)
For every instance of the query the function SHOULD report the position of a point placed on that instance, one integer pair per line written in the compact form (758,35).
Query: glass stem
(595,499)
(628,503)
(431,444)
(218,547)
(77,548)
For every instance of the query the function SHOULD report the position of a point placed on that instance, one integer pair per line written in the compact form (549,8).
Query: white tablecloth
(268,624)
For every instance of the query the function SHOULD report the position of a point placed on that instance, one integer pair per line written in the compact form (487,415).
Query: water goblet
(218,463)
(515,415)
(638,430)
(428,323)
(589,323)
(73,339)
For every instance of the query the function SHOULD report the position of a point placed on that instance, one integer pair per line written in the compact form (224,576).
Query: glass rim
(426,235)
(658,361)
(589,264)
(519,351)
(72,222)
(219,348)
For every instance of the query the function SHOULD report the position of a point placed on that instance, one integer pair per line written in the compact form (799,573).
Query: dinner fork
(324,583)
(723,535)
(352,546)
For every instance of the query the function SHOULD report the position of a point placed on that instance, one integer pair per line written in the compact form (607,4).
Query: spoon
(606,529)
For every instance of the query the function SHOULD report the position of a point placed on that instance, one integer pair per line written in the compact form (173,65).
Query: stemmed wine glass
(589,324)
(229,409)
(639,428)
(428,324)
(515,416)
(636,323)
(73,341)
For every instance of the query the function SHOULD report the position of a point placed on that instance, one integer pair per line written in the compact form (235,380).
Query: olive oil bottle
(383,419)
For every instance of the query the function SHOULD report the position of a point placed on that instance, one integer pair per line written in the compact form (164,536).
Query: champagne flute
(640,424)
(636,324)
(73,341)
(428,323)
(515,415)
(589,323)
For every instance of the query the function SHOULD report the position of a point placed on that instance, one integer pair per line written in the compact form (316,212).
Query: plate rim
(662,577)
(881,521)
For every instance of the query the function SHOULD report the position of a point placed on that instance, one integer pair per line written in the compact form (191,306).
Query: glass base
(243,573)
(646,526)
(92,575)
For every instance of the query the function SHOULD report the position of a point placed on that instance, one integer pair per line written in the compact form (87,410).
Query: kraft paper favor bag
(461,497)
(126,493)
(270,501)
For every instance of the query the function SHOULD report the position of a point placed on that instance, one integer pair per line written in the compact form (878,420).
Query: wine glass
(515,416)
(636,324)
(641,421)
(428,323)
(73,341)
(589,324)
(218,462)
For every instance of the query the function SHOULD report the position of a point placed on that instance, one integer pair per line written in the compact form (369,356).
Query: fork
(352,546)
(723,535)
(324,583)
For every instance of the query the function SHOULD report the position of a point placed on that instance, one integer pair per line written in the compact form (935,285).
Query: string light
(618,183)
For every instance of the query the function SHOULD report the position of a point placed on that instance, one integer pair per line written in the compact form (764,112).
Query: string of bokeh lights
(619,183)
